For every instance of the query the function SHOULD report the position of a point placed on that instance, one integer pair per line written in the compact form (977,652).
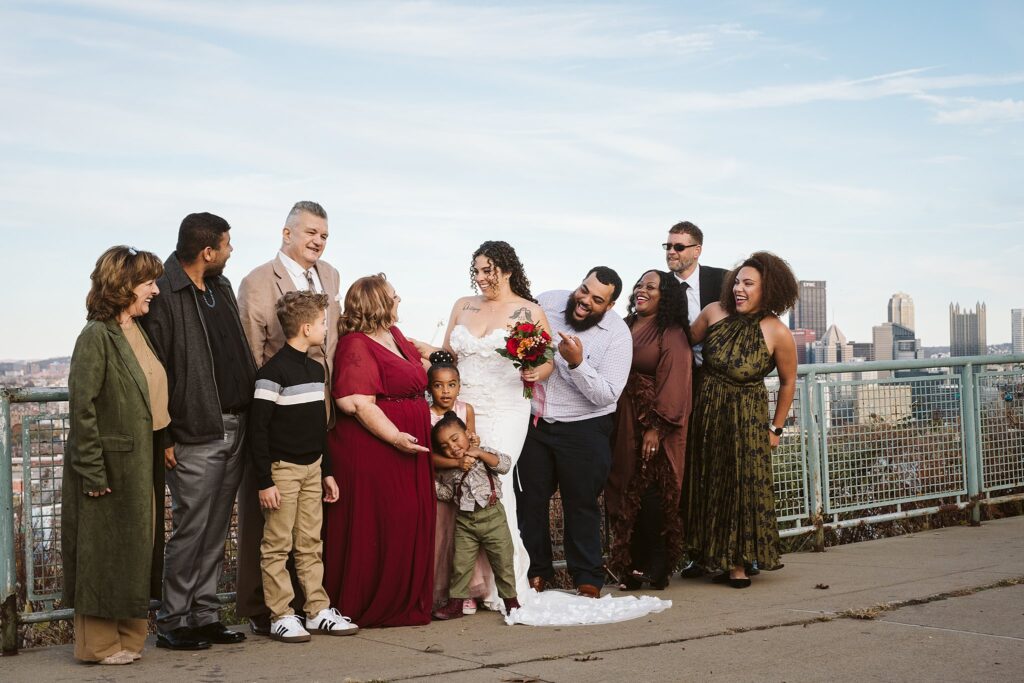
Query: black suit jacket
(710,284)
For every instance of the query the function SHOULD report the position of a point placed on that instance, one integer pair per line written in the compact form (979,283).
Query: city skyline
(876,146)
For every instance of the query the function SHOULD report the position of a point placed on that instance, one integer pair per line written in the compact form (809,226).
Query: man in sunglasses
(701,284)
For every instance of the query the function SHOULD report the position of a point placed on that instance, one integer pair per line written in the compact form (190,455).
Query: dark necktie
(309,281)
(683,287)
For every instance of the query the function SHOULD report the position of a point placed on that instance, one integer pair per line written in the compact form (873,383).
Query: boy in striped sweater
(288,432)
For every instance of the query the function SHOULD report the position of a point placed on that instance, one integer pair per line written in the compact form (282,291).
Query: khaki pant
(294,526)
(97,638)
(484,528)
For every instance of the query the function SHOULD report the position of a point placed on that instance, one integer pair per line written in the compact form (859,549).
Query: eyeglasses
(677,246)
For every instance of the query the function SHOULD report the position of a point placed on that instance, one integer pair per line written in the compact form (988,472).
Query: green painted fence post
(810,414)
(8,568)
(972,453)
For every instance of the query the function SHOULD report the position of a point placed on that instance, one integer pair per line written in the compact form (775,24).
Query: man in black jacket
(702,285)
(195,330)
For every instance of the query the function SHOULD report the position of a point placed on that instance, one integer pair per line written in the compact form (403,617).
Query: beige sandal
(122,657)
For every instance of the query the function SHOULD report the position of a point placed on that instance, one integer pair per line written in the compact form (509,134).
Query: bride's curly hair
(503,256)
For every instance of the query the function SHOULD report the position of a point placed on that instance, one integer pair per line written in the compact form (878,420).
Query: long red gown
(379,535)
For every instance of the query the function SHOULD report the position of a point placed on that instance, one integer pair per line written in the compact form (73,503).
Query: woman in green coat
(113,490)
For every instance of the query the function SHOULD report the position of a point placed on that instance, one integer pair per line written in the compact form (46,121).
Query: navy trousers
(573,458)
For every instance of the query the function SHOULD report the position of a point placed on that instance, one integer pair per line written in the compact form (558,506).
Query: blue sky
(875,145)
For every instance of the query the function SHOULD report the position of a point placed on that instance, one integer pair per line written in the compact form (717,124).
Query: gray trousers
(203,486)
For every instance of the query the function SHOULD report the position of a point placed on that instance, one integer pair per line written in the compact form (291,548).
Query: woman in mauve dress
(649,445)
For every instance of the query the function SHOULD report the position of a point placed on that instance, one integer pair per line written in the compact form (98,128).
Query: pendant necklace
(208,297)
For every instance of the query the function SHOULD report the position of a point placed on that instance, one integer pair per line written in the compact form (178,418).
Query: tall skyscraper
(803,339)
(1017,329)
(811,311)
(967,331)
(894,342)
(833,347)
(901,310)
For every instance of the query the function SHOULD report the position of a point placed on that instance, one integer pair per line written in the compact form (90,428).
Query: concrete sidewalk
(924,607)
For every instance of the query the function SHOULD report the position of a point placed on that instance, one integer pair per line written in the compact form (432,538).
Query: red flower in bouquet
(527,346)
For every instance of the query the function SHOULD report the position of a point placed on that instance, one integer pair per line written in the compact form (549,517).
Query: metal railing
(939,435)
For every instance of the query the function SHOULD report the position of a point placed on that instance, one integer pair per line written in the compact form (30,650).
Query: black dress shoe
(217,633)
(692,571)
(260,625)
(181,638)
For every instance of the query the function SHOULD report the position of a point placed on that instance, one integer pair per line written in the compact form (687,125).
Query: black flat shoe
(633,581)
(260,625)
(218,633)
(692,571)
(735,583)
(181,638)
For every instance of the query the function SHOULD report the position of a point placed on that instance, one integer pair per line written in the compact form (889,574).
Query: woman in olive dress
(729,504)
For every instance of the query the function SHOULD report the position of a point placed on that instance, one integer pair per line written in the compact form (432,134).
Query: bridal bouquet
(527,346)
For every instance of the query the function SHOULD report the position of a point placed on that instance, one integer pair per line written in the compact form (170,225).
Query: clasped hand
(465,457)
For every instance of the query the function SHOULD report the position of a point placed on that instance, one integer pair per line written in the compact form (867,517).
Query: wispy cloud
(522,32)
(971,111)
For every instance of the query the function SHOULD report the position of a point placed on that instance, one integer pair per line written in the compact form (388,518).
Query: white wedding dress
(493,386)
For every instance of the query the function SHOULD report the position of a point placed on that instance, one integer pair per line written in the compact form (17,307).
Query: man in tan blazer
(297,266)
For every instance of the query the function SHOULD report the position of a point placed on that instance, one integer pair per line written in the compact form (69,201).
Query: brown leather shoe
(538,583)
(588,590)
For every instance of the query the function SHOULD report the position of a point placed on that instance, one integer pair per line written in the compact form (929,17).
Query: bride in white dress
(476,329)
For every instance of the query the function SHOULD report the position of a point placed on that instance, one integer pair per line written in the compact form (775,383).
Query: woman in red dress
(379,538)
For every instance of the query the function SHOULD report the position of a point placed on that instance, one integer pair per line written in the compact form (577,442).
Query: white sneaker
(288,629)
(469,606)
(330,622)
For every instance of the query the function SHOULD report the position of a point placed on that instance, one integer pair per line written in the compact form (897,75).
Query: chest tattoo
(522,314)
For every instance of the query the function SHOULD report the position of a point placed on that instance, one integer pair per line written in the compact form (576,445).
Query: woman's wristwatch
(777,431)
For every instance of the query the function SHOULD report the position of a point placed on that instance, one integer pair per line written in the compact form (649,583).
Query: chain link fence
(853,450)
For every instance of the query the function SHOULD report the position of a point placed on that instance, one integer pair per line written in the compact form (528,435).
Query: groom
(568,445)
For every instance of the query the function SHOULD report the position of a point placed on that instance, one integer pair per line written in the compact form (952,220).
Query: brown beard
(579,325)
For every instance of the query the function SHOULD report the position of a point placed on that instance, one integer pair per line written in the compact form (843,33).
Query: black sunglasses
(678,247)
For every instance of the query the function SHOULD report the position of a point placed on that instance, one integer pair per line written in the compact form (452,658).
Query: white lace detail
(493,386)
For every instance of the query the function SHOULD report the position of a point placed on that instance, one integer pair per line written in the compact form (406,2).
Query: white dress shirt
(592,388)
(693,305)
(298,274)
